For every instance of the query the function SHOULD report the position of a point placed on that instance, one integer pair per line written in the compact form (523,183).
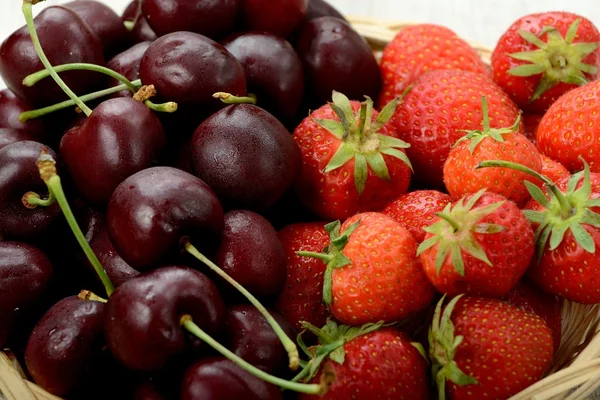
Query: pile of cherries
(146,163)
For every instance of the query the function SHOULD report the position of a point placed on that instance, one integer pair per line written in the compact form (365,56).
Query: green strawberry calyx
(455,232)
(361,139)
(442,349)
(562,211)
(558,59)
(476,136)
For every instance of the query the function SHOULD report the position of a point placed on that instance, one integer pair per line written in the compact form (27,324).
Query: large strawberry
(352,160)
(480,245)
(487,349)
(542,56)
(373,273)
(420,48)
(461,176)
(437,110)
(570,129)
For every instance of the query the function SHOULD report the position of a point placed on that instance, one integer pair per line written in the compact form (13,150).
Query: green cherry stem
(188,323)
(33,200)
(228,98)
(28,13)
(288,344)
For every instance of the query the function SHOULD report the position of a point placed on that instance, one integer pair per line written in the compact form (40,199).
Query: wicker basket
(575,373)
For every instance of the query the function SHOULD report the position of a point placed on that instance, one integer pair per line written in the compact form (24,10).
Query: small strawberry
(482,245)
(461,176)
(553,170)
(302,295)
(352,160)
(542,56)
(416,210)
(372,272)
(530,125)
(571,129)
(437,110)
(373,362)
(487,349)
(421,48)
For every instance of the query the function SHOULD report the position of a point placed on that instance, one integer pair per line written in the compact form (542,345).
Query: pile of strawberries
(465,211)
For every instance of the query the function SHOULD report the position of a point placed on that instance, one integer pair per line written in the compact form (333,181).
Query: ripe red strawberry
(416,210)
(553,170)
(437,110)
(487,349)
(542,56)
(302,295)
(421,48)
(530,125)
(571,129)
(352,160)
(462,177)
(481,245)
(380,363)
(372,273)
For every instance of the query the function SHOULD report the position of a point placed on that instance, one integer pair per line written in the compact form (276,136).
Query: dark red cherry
(19,174)
(336,57)
(207,17)
(11,135)
(246,156)
(280,17)
(142,323)
(127,64)
(65,38)
(321,8)
(141,31)
(10,109)
(219,378)
(152,210)
(105,23)
(66,344)
(251,253)
(25,273)
(121,137)
(273,71)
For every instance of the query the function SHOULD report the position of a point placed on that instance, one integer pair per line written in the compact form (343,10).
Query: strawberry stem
(455,225)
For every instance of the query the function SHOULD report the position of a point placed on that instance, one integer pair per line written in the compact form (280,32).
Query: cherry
(278,17)
(207,17)
(152,210)
(142,323)
(273,71)
(121,137)
(140,29)
(336,57)
(10,109)
(127,64)
(105,23)
(321,8)
(19,175)
(25,273)
(246,156)
(11,135)
(65,38)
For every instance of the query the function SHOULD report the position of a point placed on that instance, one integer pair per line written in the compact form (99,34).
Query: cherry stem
(28,13)
(188,323)
(33,200)
(288,344)
(129,25)
(47,168)
(228,98)
(90,296)
(455,226)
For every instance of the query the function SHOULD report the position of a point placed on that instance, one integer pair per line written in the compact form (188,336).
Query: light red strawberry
(542,56)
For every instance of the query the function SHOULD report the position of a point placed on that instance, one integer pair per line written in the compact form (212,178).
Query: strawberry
(437,110)
(530,125)
(352,160)
(542,56)
(571,129)
(420,48)
(480,245)
(302,295)
(487,348)
(461,177)
(416,210)
(372,272)
(380,363)
(552,170)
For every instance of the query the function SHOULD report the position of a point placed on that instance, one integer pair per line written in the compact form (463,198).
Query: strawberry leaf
(537,194)
(399,155)
(535,217)
(457,259)
(334,127)
(542,239)
(582,237)
(474,249)
(527,69)
(341,106)
(386,114)
(343,154)
(591,218)
(532,38)
(488,228)
(558,233)
(338,355)
(360,172)
(377,163)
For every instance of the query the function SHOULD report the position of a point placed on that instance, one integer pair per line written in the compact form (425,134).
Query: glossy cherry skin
(206,17)
(336,57)
(25,273)
(142,323)
(152,210)
(219,378)
(280,17)
(65,38)
(141,30)
(11,135)
(121,137)
(273,71)
(321,8)
(10,109)
(127,64)
(246,156)
(105,23)
(18,175)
